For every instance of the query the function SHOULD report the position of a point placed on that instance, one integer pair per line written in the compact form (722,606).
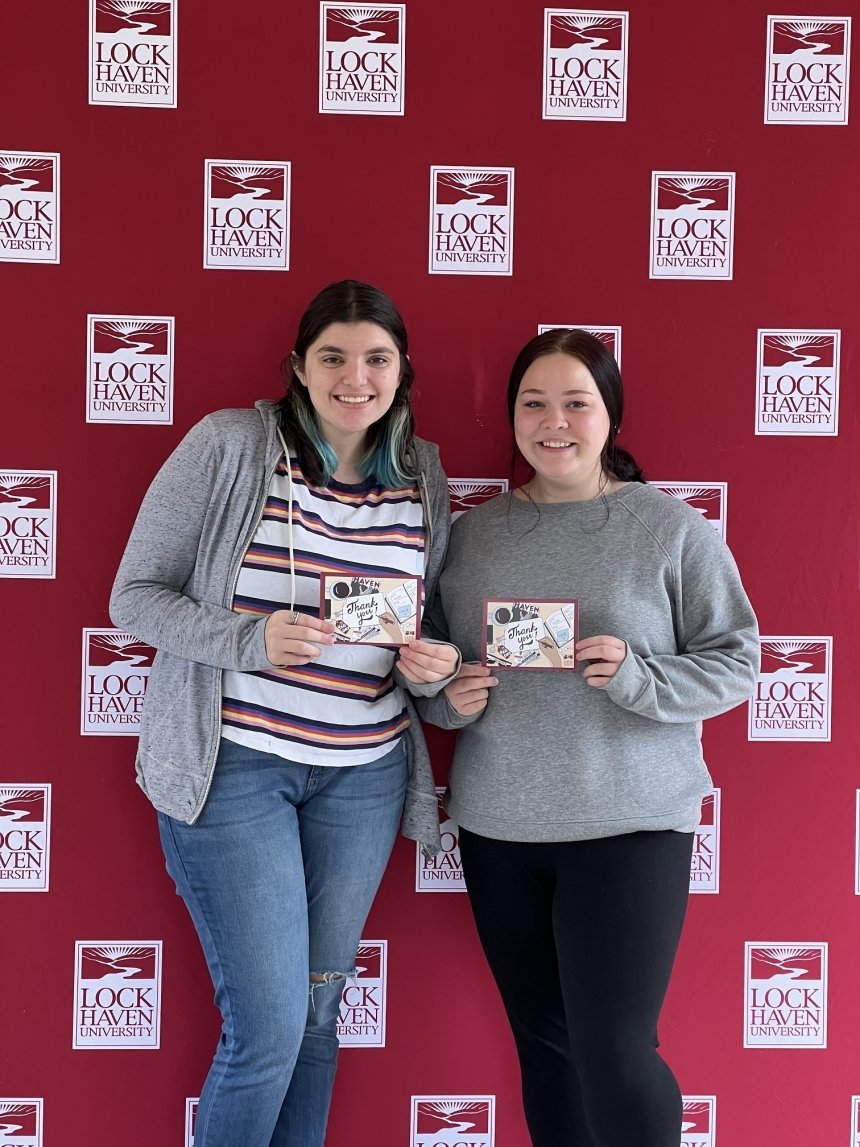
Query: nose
(554,416)
(354,372)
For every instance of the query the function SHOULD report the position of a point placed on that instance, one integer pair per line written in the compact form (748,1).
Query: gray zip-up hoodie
(174,589)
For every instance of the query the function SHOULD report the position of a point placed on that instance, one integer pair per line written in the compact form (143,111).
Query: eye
(577,404)
(379,360)
(331,360)
(532,404)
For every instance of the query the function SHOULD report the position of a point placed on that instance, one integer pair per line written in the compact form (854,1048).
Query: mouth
(353,399)
(555,444)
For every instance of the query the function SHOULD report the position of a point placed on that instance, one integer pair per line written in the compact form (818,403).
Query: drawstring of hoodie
(289,465)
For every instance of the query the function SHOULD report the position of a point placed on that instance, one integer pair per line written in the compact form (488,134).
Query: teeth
(353,400)
(556,445)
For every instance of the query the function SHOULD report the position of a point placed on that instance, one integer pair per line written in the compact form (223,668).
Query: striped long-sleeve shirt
(344,707)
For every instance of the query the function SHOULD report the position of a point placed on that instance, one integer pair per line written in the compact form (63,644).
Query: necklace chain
(601,489)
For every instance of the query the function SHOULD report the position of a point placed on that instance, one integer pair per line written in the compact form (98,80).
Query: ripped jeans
(278,874)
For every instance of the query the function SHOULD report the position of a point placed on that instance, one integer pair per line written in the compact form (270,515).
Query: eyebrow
(534,390)
(340,350)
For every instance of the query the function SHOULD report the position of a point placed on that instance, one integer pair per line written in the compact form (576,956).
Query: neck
(349,455)
(543,489)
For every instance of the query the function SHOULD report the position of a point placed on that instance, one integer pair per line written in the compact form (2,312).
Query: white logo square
(444,871)
(461,1120)
(807,69)
(792,700)
(117,994)
(692,224)
(28,523)
(247,207)
(363,1004)
(130,369)
(468,492)
(471,220)
(21,1122)
(710,499)
(25,837)
(585,64)
(29,206)
(705,863)
(133,53)
(797,382)
(699,1121)
(114,681)
(362,59)
(785,996)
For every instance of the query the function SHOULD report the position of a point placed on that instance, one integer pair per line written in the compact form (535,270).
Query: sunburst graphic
(780,956)
(585,22)
(467,180)
(801,30)
(10,795)
(18,1120)
(110,955)
(122,328)
(796,340)
(692,190)
(466,493)
(451,1111)
(789,647)
(357,16)
(20,491)
(125,9)
(687,493)
(12,163)
(241,174)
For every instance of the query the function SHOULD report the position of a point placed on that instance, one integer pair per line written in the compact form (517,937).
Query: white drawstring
(289,465)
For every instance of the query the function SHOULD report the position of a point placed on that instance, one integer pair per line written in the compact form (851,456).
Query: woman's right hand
(294,638)
(469,692)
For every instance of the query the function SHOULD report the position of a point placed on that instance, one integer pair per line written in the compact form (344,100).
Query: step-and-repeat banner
(678,180)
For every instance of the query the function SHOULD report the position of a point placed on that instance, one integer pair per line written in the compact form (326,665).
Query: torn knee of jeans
(318,979)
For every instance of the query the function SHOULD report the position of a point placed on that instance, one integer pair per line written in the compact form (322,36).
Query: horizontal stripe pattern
(313,733)
(344,707)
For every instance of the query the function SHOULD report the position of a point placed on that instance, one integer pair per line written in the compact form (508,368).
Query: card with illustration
(533,634)
(372,611)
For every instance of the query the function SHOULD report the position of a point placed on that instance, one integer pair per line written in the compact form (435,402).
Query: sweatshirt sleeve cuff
(628,683)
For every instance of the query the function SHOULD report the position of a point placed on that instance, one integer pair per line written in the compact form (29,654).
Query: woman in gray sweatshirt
(577,793)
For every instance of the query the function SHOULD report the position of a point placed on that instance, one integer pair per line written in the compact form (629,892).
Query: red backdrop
(132,213)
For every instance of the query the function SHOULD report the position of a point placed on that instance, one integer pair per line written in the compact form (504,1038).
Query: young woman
(577,793)
(279,761)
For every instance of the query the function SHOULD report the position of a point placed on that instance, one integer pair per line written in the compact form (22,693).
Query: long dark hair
(594,355)
(387,457)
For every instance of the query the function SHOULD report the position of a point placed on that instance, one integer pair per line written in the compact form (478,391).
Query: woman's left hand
(604,655)
(425,662)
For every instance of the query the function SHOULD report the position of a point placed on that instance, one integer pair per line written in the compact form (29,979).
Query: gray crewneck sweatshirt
(552,758)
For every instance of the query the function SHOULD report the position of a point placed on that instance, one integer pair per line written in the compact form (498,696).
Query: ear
(296,364)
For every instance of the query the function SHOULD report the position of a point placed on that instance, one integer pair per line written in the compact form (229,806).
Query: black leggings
(581,937)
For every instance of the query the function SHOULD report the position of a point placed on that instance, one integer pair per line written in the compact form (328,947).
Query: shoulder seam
(623,504)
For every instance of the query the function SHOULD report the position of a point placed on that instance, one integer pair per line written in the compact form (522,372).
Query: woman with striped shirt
(280,761)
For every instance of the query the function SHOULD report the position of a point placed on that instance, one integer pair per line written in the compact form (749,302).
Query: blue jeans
(279,873)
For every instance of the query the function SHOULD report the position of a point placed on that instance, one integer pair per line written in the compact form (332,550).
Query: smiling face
(351,373)
(561,425)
